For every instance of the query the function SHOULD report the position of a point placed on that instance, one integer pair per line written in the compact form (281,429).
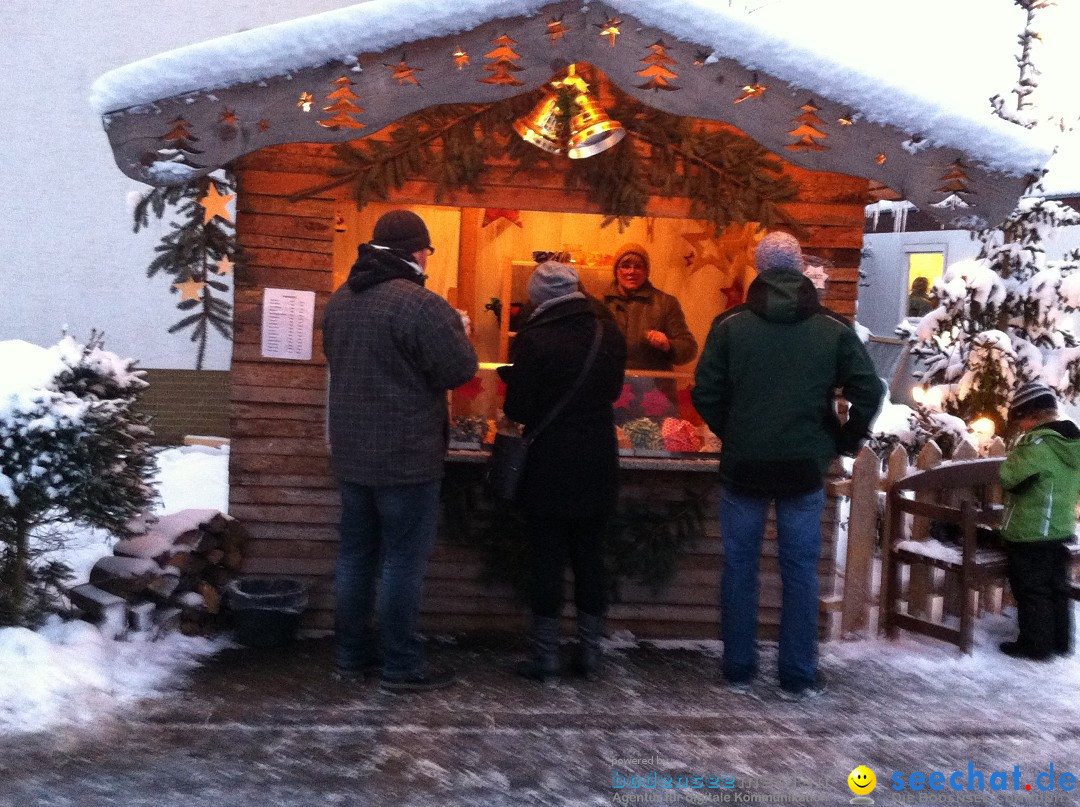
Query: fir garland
(192,251)
(643,543)
(728,178)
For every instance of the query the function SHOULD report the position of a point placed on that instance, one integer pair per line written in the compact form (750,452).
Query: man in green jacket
(766,384)
(1041,479)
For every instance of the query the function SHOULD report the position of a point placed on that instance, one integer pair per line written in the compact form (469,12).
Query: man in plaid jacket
(394,349)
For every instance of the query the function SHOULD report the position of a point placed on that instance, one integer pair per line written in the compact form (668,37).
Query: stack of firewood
(171,576)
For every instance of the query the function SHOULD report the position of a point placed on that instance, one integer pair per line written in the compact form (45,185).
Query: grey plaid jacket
(394,349)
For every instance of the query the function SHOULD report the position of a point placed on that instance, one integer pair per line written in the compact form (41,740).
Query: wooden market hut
(270,105)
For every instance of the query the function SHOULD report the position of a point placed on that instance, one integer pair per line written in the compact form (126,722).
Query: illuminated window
(923,269)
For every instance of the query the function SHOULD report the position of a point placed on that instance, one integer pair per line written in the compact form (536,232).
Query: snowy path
(272,728)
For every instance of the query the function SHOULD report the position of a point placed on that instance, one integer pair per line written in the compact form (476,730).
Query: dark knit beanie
(401,230)
(1034,396)
(550,280)
(779,251)
(635,249)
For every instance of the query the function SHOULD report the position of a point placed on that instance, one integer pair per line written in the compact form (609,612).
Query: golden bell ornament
(591,130)
(543,126)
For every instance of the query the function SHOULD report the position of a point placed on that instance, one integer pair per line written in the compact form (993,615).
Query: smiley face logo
(862,781)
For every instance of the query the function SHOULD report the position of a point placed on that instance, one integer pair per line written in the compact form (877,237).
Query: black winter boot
(590,628)
(544,663)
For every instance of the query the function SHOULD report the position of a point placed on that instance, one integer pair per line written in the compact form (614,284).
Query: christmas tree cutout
(180,144)
(956,187)
(504,65)
(808,132)
(342,109)
(658,71)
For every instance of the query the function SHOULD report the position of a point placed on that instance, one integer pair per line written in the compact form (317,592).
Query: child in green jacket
(1041,480)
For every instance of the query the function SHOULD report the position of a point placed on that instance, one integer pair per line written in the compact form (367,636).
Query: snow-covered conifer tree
(72,450)
(1002,318)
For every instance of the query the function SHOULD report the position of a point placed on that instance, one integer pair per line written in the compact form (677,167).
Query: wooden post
(862,539)
(920,580)
(896,468)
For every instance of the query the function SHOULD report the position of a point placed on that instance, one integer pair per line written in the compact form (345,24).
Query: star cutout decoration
(228,117)
(556,30)
(610,29)
(493,214)
(264,124)
(705,252)
(461,59)
(189,289)
(305,102)
(405,74)
(215,204)
(224,266)
(753,90)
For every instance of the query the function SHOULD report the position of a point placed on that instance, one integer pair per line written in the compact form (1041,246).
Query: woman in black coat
(570,483)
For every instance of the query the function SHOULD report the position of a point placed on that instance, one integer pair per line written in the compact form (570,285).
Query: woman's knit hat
(779,251)
(401,230)
(636,249)
(1034,396)
(551,280)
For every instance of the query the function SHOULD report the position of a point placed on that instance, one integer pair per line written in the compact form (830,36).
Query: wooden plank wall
(280,481)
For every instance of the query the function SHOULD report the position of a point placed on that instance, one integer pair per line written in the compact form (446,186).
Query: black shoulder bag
(507,461)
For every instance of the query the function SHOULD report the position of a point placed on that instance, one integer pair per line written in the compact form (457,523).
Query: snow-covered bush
(72,450)
(1000,321)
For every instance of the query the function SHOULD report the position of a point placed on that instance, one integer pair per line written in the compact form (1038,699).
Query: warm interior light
(984,427)
(590,130)
(929,397)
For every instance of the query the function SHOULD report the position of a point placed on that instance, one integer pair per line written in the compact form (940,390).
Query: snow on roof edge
(310,41)
(378,25)
(1004,146)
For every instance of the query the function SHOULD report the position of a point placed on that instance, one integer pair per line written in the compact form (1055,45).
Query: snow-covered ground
(68,672)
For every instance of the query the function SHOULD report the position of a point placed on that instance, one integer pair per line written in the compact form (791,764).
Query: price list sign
(287,322)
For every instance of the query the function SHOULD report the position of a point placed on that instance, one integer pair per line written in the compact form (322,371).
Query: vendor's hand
(658,340)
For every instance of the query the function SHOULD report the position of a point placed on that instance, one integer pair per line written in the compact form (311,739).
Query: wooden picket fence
(870,479)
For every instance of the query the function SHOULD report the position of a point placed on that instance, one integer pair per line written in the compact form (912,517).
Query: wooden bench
(965,494)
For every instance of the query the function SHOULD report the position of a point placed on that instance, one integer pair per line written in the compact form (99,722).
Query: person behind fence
(1041,480)
(765,385)
(570,482)
(394,349)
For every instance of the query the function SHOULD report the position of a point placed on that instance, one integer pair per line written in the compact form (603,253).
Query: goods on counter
(644,433)
(680,435)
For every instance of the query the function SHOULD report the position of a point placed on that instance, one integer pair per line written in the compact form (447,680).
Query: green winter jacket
(1041,479)
(765,385)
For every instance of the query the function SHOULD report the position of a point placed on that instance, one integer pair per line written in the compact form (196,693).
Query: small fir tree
(1002,318)
(74,451)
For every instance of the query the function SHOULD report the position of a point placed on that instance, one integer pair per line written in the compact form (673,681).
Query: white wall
(68,256)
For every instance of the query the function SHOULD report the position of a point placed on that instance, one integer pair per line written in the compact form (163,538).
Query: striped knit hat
(1034,396)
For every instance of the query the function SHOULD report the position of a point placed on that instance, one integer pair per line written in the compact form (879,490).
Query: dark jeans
(550,542)
(391,528)
(798,533)
(1039,578)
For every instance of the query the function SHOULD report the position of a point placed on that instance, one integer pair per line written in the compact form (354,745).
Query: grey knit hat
(779,251)
(401,230)
(1034,396)
(550,280)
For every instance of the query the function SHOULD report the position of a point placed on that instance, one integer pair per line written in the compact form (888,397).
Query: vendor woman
(652,322)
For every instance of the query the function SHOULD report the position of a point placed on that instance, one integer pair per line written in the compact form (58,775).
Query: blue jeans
(392,527)
(798,527)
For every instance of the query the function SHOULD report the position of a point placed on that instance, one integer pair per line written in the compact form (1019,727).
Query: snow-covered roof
(242,92)
(1063,171)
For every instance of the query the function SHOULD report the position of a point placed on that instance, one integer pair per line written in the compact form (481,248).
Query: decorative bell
(543,126)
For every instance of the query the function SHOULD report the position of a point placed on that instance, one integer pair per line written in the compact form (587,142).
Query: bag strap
(555,410)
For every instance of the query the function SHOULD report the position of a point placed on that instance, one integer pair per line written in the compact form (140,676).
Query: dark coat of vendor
(652,322)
